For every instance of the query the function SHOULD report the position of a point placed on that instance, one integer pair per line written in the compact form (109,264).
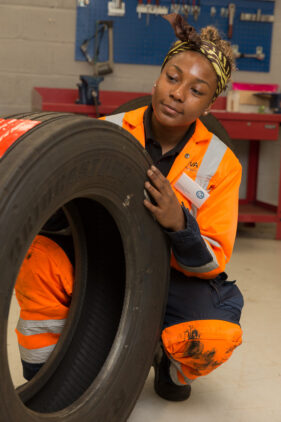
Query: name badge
(191,190)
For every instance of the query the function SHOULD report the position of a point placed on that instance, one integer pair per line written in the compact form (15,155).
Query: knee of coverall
(201,325)
(196,348)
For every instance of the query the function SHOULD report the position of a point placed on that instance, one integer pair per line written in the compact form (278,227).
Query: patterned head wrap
(190,40)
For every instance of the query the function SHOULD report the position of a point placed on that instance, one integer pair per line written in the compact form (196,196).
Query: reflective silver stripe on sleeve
(213,242)
(32,327)
(214,263)
(36,355)
(211,161)
(210,266)
(116,118)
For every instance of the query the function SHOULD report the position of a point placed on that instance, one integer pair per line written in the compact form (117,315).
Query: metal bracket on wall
(151,9)
(256,17)
(83,3)
(186,10)
(213,11)
(224,12)
(116,8)
(259,55)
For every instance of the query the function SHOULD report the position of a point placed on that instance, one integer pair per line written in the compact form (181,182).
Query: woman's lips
(170,110)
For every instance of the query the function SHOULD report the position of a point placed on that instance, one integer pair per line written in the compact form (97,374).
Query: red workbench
(64,100)
(252,127)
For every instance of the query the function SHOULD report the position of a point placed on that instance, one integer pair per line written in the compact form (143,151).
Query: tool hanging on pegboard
(148,12)
(89,86)
(196,9)
(139,8)
(213,11)
(175,7)
(231,14)
(151,9)
(185,9)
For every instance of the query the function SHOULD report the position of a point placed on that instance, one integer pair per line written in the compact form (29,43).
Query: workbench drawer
(252,130)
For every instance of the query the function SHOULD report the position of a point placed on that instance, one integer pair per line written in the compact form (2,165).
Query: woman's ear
(208,109)
(154,88)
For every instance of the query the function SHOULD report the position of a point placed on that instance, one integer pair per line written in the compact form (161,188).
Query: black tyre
(214,125)
(133,104)
(210,121)
(96,172)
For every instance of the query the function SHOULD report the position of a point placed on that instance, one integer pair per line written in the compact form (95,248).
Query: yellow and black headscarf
(190,40)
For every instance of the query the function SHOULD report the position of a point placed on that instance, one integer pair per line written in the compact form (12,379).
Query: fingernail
(150,172)
(153,168)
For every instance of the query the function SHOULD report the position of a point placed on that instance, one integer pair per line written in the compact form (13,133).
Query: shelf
(254,213)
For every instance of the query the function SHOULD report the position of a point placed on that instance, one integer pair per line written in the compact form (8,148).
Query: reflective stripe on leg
(176,373)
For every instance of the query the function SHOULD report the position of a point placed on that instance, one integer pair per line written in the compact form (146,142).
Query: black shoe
(163,384)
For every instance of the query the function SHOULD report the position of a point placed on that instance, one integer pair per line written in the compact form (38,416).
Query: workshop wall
(37,48)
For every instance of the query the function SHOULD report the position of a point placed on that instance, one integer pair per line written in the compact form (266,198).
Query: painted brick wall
(37,39)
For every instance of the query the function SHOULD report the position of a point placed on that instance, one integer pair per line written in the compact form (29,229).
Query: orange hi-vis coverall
(201,327)
(43,289)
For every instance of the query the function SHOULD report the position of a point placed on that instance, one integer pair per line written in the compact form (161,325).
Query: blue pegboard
(138,43)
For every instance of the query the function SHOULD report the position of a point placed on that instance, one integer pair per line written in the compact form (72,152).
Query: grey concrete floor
(247,388)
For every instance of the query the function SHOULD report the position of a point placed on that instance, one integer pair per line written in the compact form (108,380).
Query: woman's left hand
(167,211)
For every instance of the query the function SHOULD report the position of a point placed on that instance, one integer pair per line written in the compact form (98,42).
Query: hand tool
(89,87)
(139,13)
(196,9)
(175,7)
(213,11)
(147,14)
(231,13)
(224,12)
(159,10)
(185,9)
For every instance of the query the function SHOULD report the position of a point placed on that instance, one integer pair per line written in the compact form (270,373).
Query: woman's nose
(177,93)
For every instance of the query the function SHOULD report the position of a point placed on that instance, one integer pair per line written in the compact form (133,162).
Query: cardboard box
(245,101)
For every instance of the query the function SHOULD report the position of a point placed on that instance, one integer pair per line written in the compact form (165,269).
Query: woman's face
(184,89)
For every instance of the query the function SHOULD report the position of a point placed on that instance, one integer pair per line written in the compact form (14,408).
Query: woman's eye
(196,92)
(171,78)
